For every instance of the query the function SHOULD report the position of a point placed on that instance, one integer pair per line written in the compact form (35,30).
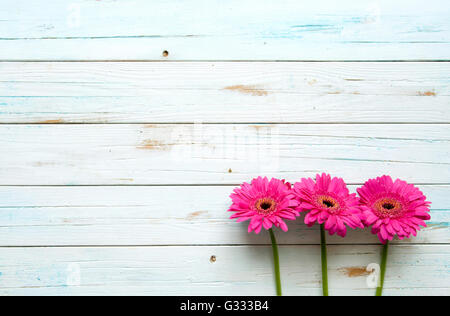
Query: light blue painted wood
(224,92)
(245,270)
(273,92)
(225,30)
(140,215)
(204,153)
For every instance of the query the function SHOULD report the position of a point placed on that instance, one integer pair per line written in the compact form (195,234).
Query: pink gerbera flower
(265,203)
(329,201)
(393,208)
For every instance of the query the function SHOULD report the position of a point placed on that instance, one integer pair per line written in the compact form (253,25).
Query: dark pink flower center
(265,206)
(328,203)
(388,207)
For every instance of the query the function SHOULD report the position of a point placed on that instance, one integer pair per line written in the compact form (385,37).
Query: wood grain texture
(115,169)
(412,270)
(224,92)
(91,216)
(219,154)
(231,30)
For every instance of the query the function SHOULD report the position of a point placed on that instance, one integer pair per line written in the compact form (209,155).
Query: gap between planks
(224,61)
(226,245)
(228,123)
(167,185)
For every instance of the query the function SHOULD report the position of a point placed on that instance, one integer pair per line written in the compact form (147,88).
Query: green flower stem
(276,261)
(323,246)
(383,268)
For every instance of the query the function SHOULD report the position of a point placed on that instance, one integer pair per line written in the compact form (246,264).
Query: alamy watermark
(255,148)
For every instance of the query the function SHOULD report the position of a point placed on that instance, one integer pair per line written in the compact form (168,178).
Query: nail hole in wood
(165,53)
(212,259)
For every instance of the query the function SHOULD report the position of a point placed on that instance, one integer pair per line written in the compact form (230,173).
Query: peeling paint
(152,145)
(438,226)
(427,94)
(193,215)
(43,164)
(260,127)
(59,121)
(248,89)
(354,272)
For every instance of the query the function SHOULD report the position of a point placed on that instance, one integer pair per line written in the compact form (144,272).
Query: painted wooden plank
(218,30)
(419,270)
(139,215)
(219,154)
(224,92)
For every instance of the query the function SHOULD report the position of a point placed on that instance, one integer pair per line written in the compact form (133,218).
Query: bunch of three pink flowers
(390,207)
(393,208)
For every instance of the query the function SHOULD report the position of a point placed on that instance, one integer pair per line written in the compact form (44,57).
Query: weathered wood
(419,270)
(62,216)
(224,92)
(133,227)
(218,30)
(219,154)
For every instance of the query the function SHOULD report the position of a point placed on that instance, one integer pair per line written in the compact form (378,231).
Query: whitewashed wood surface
(116,161)
(223,92)
(144,216)
(224,30)
(217,270)
(220,153)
